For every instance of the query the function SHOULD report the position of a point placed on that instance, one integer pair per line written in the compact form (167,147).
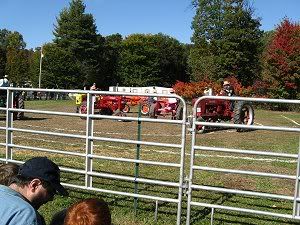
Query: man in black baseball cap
(37,182)
(44,169)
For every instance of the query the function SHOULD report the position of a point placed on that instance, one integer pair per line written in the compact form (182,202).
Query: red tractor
(217,110)
(166,106)
(106,104)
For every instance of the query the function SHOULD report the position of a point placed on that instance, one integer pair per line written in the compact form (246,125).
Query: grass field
(122,207)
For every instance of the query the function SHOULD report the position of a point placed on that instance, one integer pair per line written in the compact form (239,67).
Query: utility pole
(41,59)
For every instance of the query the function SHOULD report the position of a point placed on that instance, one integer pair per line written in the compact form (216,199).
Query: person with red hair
(92,211)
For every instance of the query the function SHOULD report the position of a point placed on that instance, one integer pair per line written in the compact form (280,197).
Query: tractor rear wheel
(153,110)
(179,113)
(243,114)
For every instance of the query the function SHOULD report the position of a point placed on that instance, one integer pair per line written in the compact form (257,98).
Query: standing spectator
(36,183)
(93,87)
(8,172)
(19,99)
(91,211)
(4,82)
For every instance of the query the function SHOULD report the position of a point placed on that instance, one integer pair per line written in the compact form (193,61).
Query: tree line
(226,42)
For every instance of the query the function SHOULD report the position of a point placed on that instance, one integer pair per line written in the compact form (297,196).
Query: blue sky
(35,19)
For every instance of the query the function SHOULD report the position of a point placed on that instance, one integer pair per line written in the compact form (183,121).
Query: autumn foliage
(192,90)
(283,60)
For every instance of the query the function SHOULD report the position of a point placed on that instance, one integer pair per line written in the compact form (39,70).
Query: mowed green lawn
(123,207)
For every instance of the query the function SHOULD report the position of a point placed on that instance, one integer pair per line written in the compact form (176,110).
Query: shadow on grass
(25,118)
(216,129)
(201,214)
(263,219)
(246,219)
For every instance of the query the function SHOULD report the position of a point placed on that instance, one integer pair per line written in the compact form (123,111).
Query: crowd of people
(25,188)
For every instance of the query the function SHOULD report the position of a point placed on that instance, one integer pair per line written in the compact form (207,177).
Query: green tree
(34,67)
(207,25)
(2,61)
(139,64)
(226,41)
(172,59)
(3,37)
(148,60)
(58,70)
(15,41)
(76,33)
(111,58)
(17,65)
(9,40)
(239,49)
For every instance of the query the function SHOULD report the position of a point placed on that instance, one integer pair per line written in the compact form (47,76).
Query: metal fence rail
(89,139)
(193,187)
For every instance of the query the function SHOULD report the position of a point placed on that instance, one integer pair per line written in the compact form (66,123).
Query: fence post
(89,142)
(9,123)
(136,169)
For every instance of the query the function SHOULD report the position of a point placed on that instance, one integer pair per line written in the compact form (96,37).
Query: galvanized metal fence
(193,187)
(180,184)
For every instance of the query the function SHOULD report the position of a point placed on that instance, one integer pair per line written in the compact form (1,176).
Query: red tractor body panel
(106,104)
(214,109)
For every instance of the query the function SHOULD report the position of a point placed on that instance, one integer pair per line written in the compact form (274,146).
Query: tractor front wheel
(145,109)
(83,109)
(243,114)
(126,108)
(200,128)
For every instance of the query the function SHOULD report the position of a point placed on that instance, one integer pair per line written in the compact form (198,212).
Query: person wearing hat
(227,88)
(4,82)
(229,91)
(36,183)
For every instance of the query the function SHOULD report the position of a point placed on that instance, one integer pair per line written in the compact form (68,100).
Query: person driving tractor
(227,89)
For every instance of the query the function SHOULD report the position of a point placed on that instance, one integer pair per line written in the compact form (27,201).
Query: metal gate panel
(90,137)
(192,187)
